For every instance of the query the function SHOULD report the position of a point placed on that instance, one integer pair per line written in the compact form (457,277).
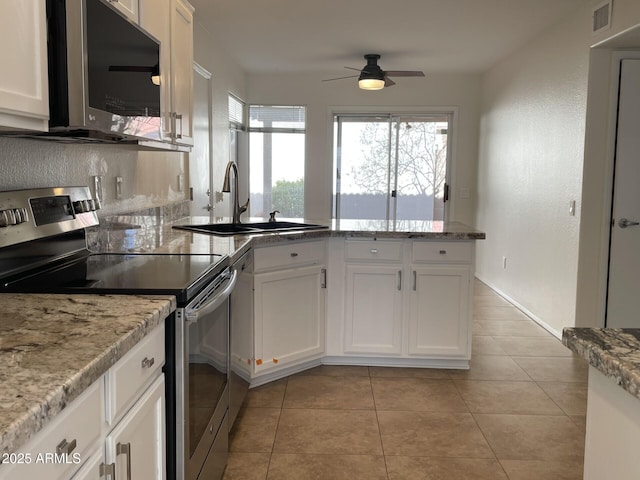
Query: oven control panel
(39,213)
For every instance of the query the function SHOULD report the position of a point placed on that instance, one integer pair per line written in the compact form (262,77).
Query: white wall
(530,168)
(462,91)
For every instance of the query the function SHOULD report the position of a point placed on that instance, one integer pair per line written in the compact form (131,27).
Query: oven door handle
(214,302)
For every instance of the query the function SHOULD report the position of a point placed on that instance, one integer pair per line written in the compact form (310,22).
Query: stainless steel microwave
(103,74)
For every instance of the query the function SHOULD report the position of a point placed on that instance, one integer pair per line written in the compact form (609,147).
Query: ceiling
(436,36)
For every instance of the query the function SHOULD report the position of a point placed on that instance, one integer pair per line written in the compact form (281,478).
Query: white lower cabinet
(114,430)
(289,306)
(136,446)
(438,311)
(289,317)
(406,301)
(373,314)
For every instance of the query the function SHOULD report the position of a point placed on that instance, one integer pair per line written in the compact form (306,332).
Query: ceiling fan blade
(339,78)
(356,69)
(388,82)
(404,73)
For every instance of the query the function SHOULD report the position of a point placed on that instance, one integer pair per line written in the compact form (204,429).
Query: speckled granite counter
(52,347)
(162,238)
(613,351)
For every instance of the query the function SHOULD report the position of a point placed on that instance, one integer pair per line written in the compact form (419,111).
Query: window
(391,167)
(276,157)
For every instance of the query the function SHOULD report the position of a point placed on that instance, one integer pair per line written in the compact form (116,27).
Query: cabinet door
(91,470)
(24,95)
(373,316)
(182,71)
(439,313)
(289,317)
(129,8)
(138,440)
(155,18)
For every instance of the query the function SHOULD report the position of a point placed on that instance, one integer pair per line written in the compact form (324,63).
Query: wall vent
(602,17)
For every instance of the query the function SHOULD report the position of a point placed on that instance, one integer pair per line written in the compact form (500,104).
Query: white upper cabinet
(128,7)
(182,71)
(24,96)
(171,22)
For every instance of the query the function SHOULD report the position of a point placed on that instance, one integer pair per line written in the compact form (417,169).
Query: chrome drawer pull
(148,363)
(66,447)
(443,252)
(374,250)
(293,254)
(125,448)
(108,470)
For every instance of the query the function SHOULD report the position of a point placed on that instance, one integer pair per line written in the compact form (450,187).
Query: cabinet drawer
(373,250)
(442,252)
(133,371)
(80,422)
(288,255)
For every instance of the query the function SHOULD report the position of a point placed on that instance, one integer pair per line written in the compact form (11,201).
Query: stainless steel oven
(202,381)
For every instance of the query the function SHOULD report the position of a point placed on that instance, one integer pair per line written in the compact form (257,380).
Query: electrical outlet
(97,187)
(504,263)
(118,188)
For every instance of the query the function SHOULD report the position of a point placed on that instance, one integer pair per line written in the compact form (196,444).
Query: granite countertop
(52,347)
(162,238)
(613,351)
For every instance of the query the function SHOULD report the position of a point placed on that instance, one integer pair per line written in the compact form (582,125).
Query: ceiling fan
(372,77)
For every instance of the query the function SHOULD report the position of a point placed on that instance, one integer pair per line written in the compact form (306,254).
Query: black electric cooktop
(144,274)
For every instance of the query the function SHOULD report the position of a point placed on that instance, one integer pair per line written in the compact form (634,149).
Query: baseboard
(528,313)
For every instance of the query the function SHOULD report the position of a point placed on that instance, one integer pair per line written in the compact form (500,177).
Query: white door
(200,156)
(624,255)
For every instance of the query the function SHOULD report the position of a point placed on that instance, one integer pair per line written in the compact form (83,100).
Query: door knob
(624,223)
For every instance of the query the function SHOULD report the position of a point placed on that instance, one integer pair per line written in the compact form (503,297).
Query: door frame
(452,146)
(616,65)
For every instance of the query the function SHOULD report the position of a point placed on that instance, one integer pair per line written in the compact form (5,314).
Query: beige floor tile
(336,371)
(580,421)
(432,434)
(570,397)
(406,372)
(499,313)
(328,432)
(426,468)
(491,367)
(485,345)
(344,393)
(490,301)
(417,394)
(254,430)
(269,395)
(542,469)
(247,466)
(333,467)
(510,328)
(534,346)
(532,437)
(553,369)
(506,397)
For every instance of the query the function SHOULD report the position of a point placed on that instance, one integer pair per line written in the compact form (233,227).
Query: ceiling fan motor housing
(371,70)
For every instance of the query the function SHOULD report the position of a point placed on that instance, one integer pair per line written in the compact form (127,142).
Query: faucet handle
(272,215)
(243,208)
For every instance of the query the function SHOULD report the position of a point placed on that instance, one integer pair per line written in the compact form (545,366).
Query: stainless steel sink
(250,228)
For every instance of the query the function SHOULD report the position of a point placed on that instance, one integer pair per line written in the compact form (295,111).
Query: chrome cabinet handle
(415,280)
(374,250)
(125,448)
(66,447)
(148,362)
(293,254)
(324,278)
(399,279)
(109,469)
(624,223)
(179,117)
(443,252)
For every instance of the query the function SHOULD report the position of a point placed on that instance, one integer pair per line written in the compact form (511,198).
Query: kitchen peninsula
(613,411)
(361,292)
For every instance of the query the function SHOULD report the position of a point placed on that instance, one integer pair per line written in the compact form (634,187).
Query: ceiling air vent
(602,17)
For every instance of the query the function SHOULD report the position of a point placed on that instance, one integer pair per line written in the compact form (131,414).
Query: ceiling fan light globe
(371,83)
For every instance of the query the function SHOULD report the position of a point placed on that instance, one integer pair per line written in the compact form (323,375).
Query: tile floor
(518,413)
